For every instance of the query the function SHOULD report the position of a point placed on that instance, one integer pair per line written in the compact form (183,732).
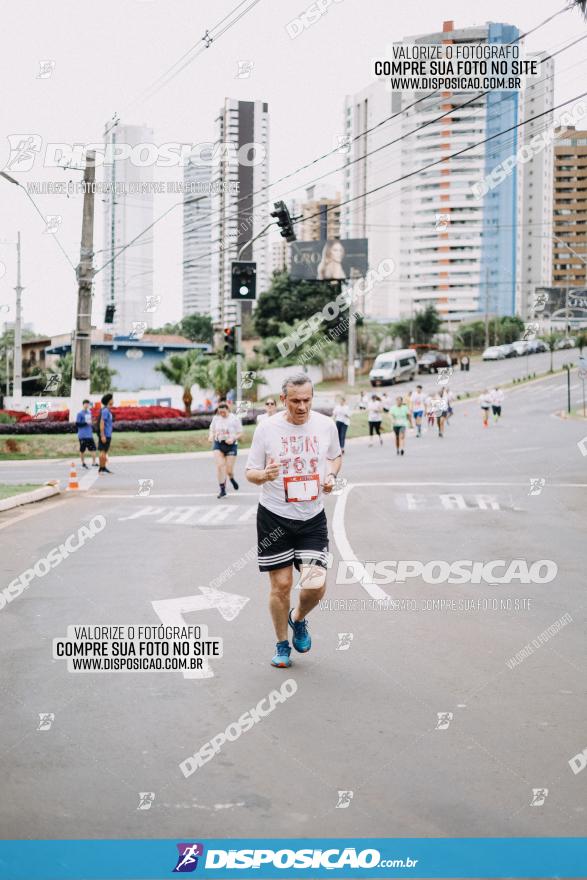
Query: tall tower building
(128,211)
(197,240)
(465,248)
(569,268)
(536,178)
(240,170)
(321,217)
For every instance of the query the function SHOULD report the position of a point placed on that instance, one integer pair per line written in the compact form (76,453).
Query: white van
(394,366)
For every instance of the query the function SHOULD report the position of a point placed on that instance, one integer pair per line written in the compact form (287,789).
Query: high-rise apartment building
(569,246)
(536,179)
(128,210)
(457,243)
(320,217)
(197,240)
(240,176)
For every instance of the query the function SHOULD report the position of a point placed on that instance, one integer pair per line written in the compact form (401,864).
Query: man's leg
(279,598)
(313,583)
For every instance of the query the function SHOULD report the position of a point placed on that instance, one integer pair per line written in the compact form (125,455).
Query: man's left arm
(333,460)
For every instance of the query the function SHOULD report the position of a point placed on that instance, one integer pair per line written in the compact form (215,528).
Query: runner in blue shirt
(83,423)
(104,432)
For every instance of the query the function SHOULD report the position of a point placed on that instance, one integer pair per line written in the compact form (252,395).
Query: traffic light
(283,221)
(229,340)
(244,280)
(109,315)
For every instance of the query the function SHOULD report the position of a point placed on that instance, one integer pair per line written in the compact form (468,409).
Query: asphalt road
(364,718)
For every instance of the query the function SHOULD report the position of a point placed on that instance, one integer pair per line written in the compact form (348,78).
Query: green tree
(288,301)
(426,324)
(100,376)
(581,341)
(197,328)
(471,335)
(184,369)
(550,340)
(402,329)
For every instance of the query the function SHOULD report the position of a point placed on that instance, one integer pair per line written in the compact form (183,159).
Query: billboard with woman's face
(332,260)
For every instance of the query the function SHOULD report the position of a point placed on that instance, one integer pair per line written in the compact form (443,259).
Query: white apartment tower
(240,202)
(536,211)
(128,211)
(197,240)
(464,252)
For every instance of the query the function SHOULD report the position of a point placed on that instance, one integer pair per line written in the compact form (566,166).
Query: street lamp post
(17,384)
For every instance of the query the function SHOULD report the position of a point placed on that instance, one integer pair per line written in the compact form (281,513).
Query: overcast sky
(107,53)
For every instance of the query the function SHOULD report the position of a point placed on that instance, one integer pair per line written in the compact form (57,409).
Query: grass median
(7,491)
(65,446)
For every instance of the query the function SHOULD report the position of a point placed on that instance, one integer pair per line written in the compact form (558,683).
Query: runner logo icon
(187,859)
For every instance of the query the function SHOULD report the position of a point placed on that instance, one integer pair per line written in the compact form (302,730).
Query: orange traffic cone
(73,483)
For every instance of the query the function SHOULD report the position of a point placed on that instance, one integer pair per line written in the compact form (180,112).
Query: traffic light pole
(82,345)
(238,335)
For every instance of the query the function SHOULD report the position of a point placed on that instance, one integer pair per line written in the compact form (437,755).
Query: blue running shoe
(282,652)
(301,639)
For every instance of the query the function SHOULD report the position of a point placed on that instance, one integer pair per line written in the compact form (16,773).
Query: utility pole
(487,308)
(82,346)
(17,385)
(352,341)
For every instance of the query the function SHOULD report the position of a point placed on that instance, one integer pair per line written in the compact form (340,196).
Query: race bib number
(303,487)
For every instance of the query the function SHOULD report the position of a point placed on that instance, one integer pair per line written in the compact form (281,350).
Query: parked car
(536,346)
(566,342)
(521,347)
(493,353)
(393,366)
(433,361)
(508,350)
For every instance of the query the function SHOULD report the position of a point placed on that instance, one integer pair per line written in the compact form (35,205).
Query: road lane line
(178,495)
(346,551)
(42,509)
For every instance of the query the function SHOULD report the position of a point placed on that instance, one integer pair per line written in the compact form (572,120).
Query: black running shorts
(282,541)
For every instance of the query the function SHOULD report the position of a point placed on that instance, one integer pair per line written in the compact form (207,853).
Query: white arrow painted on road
(171,613)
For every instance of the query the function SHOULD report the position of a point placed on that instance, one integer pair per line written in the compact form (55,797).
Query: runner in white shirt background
(270,410)
(496,396)
(374,417)
(295,457)
(225,431)
(417,407)
(485,403)
(342,419)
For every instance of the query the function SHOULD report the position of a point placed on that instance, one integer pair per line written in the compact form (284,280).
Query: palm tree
(550,341)
(100,376)
(185,369)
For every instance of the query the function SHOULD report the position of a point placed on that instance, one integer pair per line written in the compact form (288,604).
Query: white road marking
(452,483)
(346,551)
(195,514)
(87,481)
(42,508)
(174,495)
(171,613)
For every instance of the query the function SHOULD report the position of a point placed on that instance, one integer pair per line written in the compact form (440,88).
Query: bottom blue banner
(286,857)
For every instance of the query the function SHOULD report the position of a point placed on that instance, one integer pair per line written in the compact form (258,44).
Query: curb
(29,497)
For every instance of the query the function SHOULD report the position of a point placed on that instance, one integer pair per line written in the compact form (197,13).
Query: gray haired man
(295,457)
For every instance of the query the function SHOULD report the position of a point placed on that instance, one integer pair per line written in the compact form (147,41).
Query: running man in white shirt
(417,406)
(225,431)
(295,457)
(485,403)
(496,402)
